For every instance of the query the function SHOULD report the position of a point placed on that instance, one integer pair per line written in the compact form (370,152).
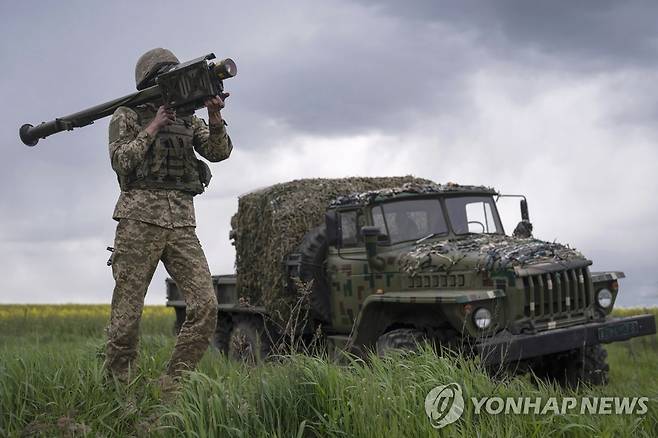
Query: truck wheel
(583,365)
(222,336)
(588,365)
(401,340)
(248,341)
(313,250)
(180,319)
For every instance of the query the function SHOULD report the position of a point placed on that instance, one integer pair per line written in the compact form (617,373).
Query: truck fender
(381,311)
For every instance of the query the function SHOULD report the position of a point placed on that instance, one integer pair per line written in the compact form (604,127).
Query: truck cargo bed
(224,289)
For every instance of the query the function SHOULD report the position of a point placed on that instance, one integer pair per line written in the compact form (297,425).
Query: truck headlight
(604,298)
(482,318)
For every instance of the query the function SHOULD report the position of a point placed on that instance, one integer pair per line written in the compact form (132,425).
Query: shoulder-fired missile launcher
(184,88)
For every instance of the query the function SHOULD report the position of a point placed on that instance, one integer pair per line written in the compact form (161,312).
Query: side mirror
(370,236)
(370,232)
(524,228)
(333,234)
(524,210)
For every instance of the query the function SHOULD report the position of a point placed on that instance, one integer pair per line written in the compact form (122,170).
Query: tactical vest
(170,162)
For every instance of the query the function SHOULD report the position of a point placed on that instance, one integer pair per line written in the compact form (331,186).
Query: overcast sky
(555,100)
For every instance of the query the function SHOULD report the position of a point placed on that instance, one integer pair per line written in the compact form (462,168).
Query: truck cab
(436,264)
(401,224)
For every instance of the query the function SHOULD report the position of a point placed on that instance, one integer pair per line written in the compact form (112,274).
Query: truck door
(347,269)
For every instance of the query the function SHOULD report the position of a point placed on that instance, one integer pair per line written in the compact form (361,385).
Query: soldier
(153,153)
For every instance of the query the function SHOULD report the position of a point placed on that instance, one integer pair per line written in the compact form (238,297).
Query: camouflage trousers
(138,247)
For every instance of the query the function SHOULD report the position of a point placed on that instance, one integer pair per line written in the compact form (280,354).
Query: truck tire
(313,250)
(583,365)
(401,340)
(222,335)
(248,341)
(588,365)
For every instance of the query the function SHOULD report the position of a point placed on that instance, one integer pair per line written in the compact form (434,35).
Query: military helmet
(150,63)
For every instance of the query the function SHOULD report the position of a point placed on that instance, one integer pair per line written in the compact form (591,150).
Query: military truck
(391,267)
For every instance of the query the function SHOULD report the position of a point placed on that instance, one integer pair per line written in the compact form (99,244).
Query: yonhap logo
(444,405)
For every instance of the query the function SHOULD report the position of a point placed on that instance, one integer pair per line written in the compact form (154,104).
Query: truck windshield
(410,219)
(473,214)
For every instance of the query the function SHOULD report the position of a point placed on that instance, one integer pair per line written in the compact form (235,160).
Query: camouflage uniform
(158,224)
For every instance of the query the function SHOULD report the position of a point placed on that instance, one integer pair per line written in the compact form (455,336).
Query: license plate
(618,330)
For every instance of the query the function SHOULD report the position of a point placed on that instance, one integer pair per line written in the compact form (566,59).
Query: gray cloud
(603,34)
(369,73)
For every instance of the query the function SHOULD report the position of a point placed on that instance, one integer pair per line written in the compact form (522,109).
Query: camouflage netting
(417,187)
(270,224)
(491,251)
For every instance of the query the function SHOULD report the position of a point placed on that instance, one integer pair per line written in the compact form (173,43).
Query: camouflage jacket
(165,208)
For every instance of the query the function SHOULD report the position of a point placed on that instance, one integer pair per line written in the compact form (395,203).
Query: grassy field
(51,384)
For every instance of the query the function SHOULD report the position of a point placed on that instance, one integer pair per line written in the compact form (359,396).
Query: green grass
(51,384)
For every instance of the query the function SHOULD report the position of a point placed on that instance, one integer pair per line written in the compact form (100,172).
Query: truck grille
(555,295)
